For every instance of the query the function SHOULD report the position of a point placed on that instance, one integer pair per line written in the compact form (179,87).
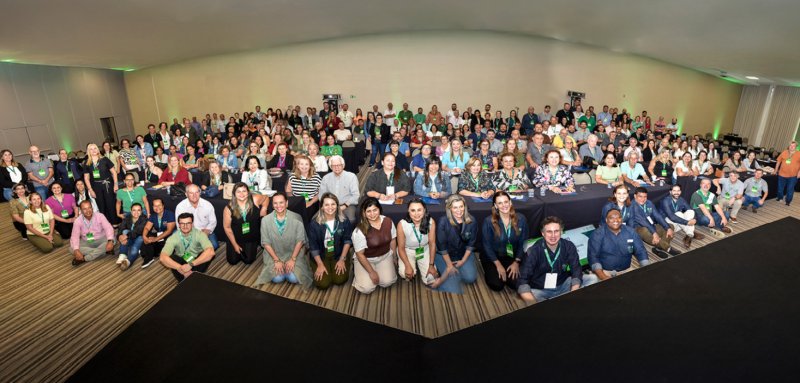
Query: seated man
(730,192)
(632,171)
(651,226)
(92,235)
(611,247)
(203,215)
(707,210)
(755,191)
(188,250)
(551,266)
(344,185)
(680,215)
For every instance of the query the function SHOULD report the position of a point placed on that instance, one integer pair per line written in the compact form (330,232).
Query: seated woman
(456,233)
(241,220)
(685,167)
(329,241)
(282,159)
(174,173)
(503,239)
(509,178)
(227,160)
(661,168)
(416,238)
(511,146)
(130,235)
(129,195)
(40,224)
(703,165)
(475,182)
(213,181)
(751,164)
(81,194)
(632,170)
(401,161)
(254,150)
(160,226)
(552,175)
(444,147)
(419,161)
(419,139)
(433,183)
(161,157)
(455,160)
(64,209)
(283,237)
(304,181)
(151,172)
(488,158)
(320,162)
(190,159)
(389,183)
(17,206)
(374,244)
(569,154)
(256,178)
(713,153)
(620,200)
(608,173)
(302,145)
(331,148)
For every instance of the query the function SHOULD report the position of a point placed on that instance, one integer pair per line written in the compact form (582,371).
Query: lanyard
(624,211)
(244,214)
(416,234)
(644,207)
(335,226)
(59,202)
(158,218)
(186,243)
(391,179)
(475,181)
(130,196)
(147,174)
(41,215)
(252,178)
(555,257)
(508,233)
(675,205)
(87,224)
(13,170)
(281,161)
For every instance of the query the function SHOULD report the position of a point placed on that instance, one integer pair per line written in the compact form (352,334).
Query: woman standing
(110,153)
(241,221)
(503,240)
(456,233)
(373,242)
(304,181)
(475,182)
(11,173)
(416,238)
(100,176)
(63,207)
(283,236)
(39,222)
(329,240)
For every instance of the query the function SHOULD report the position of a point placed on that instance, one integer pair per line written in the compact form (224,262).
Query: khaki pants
(647,237)
(383,265)
(44,245)
(725,204)
(687,215)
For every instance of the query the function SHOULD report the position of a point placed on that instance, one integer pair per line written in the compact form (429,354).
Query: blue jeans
(41,189)
(131,249)
(7,193)
(702,220)
(291,278)
(755,201)
(787,184)
(377,152)
(211,192)
(545,294)
(213,239)
(467,274)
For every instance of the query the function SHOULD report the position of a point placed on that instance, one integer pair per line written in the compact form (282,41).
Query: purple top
(67,203)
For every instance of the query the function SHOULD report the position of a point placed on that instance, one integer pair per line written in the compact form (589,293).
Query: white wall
(59,107)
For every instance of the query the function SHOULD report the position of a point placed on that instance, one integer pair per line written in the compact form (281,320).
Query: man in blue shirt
(651,225)
(611,247)
(529,121)
(680,215)
(551,266)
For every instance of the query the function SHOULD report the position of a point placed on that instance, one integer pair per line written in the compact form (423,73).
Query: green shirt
(129,198)
(405,116)
(331,150)
(698,198)
(419,118)
(197,242)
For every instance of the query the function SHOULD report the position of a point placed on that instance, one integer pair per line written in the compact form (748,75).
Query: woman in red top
(174,173)
(419,139)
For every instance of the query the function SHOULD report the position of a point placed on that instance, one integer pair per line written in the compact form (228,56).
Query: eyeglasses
(184,223)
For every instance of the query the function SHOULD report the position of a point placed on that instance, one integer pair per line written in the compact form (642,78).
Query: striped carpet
(54,317)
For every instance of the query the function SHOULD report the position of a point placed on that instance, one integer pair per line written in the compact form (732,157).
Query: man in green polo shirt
(188,250)
(707,210)
(405,116)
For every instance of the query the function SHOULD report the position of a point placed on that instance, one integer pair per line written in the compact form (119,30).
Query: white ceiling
(738,36)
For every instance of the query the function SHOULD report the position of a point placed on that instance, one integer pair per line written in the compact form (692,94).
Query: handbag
(227,191)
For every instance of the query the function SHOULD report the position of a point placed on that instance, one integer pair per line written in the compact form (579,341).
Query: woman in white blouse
(256,178)
(702,165)
(320,163)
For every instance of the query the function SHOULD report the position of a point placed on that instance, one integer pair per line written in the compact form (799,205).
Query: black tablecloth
(732,139)
(354,157)
(585,207)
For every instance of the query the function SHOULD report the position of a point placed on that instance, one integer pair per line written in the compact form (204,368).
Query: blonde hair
(42,206)
(312,171)
(453,198)
(89,159)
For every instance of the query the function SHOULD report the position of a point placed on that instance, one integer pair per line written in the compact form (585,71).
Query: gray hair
(334,159)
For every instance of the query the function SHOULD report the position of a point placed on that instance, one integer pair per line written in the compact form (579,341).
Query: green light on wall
(124,69)
(8,60)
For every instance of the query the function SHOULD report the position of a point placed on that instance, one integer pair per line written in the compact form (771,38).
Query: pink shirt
(67,203)
(98,226)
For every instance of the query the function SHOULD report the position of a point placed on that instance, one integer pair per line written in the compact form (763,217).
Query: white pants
(383,265)
(687,215)
(417,264)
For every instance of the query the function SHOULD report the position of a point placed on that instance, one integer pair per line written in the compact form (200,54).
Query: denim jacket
(451,241)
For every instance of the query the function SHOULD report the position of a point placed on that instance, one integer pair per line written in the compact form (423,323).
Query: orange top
(789,169)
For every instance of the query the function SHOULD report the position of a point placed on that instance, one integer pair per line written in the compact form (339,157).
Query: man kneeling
(188,250)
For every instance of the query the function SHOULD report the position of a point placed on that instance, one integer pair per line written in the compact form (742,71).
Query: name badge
(788,161)
(159,234)
(630,246)
(245,227)
(96,173)
(90,237)
(664,173)
(42,172)
(727,195)
(510,250)
(188,257)
(45,228)
(306,197)
(69,174)
(755,189)
(550,281)
(329,246)
(420,252)
(512,188)
(485,166)
(389,190)
(649,219)
(64,213)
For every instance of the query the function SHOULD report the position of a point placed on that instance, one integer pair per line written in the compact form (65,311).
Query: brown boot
(687,241)
(698,236)
(726,230)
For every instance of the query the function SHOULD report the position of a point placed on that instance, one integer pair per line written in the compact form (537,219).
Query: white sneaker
(120,258)
(144,266)
(124,265)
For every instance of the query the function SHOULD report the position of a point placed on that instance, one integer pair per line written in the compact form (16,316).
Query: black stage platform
(728,311)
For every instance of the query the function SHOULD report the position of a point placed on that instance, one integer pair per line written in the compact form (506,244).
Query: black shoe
(660,253)
(673,252)
(755,210)
(76,262)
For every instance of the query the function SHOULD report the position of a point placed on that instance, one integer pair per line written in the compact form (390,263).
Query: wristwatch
(191,263)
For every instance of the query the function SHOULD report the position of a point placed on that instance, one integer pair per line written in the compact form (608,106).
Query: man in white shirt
(672,127)
(342,184)
(555,127)
(205,219)
(389,115)
(346,116)
(452,112)
(634,147)
(731,192)
(341,134)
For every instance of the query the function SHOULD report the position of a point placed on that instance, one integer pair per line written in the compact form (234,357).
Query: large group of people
(98,203)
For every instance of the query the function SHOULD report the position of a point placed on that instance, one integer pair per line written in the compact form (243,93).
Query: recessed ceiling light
(751,78)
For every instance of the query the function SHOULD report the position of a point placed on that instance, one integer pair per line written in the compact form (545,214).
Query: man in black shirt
(565,113)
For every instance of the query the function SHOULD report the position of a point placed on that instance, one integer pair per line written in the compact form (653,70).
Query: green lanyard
(281,225)
(130,196)
(158,218)
(555,258)
(416,234)
(476,182)
(674,205)
(391,180)
(186,243)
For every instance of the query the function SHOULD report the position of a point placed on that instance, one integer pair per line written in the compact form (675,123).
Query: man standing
(389,115)
(346,116)
(92,235)
(788,170)
(707,210)
(188,250)
(755,191)
(546,115)
(202,212)
(680,215)
(612,245)
(405,116)
(551,266)
(565,113)
(40,171)
(342,184)
(651,226)
(529,121)
(731,191)
(604,117)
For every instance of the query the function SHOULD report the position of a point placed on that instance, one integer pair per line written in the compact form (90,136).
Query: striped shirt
(305,186)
